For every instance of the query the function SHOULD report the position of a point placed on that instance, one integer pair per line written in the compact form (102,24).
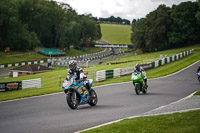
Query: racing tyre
(93,98)
(73,100)
(144,90)
(137,89)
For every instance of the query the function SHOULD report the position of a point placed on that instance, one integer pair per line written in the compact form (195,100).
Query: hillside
(116,34)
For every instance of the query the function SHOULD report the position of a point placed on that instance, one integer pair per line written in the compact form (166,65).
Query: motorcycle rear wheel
(93,98)
(73,100)
(137,89)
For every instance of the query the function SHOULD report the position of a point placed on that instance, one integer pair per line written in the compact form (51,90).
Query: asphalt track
(50,114)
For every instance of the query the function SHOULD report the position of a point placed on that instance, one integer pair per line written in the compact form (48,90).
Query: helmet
(72,64)
(137,66)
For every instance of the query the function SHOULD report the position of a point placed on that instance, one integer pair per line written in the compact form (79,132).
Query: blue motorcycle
(198,76)
(77,94)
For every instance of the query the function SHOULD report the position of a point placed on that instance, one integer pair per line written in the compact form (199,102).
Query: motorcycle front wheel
(73,100)
(137,89)
(93,98)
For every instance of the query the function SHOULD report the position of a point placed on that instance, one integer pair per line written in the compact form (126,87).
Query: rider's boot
(146,85)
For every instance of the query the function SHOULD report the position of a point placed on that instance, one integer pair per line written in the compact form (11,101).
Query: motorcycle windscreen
(67,84)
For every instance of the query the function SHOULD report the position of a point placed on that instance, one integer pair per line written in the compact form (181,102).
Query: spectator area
(51,52)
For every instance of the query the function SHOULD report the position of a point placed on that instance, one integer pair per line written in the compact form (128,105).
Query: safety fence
(170,59)
(25,63)
(62,61)
(18,85)
(80,59)
(108,74)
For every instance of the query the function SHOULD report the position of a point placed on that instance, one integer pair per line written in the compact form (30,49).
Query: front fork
(74,97)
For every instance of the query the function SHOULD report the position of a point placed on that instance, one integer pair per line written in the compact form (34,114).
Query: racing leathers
(78,72)
(141,70)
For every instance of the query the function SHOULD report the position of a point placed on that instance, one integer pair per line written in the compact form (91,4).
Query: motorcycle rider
(138,68)
(78,72)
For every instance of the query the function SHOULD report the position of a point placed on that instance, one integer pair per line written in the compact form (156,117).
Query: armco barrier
(170,59)
(107,74)
(127,70)
(117,72)
(101,75)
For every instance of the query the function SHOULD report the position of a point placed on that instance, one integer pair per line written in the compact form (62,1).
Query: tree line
(113,19)
(167,27)
(26,24)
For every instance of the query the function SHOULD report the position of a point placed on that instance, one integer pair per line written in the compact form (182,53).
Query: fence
(24,63)
(170,59)
(107,74)
(62,61)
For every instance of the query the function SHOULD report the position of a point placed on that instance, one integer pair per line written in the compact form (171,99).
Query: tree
(29,23)
(15,34)
(151,33)
(198,13)
(184,29)
(168,27)
(112,19)
(158,23)
(138,34)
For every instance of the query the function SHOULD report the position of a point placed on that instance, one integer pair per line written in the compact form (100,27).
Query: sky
(126,9)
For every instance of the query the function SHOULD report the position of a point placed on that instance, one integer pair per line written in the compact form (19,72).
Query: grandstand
(51,52)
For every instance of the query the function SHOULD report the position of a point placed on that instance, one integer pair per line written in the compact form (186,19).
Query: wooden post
(59,80)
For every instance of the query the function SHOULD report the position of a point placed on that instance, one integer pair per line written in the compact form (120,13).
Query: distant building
(28,70)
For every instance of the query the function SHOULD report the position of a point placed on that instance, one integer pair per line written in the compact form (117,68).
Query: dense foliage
(26,24)
(113,19)
(168,27)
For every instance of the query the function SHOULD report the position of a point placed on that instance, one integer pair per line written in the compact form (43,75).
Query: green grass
(116,34)
(187,122)
(6,58)
(197,93)
(16,57)
(50,80)
(74,52)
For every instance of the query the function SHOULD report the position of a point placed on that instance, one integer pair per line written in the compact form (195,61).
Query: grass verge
(197,93)
(187,122)
(116,34)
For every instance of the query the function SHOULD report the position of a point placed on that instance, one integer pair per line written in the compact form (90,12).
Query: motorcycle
(198,76)
(77,94)
(138,82)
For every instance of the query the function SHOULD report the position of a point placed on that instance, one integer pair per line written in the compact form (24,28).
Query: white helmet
(72,64)
(137,66)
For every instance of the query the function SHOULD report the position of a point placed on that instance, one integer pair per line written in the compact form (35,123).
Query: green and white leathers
(138,81)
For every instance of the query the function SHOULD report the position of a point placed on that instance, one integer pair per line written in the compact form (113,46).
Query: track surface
(50,114)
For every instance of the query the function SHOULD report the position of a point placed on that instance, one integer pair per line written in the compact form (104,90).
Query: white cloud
(126,9)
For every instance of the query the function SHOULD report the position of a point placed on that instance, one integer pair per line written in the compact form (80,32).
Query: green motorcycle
(138,82)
